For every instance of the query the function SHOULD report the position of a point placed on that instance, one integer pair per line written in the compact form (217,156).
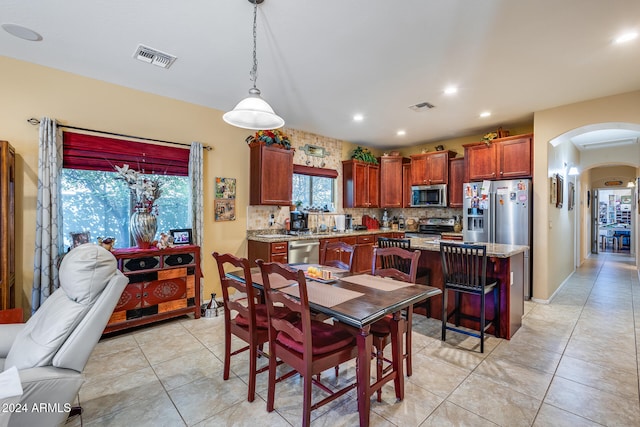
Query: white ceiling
(321,62)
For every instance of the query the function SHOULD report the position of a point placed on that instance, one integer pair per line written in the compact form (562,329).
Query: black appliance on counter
(434,227)
(299,221)
(348,222)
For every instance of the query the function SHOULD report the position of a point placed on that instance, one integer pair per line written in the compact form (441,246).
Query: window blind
(91,152)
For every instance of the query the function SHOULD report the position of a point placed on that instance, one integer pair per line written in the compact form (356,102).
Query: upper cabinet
(503,158)
(271,175)
(391,181)
(456,179)
(430,168)
(360,184)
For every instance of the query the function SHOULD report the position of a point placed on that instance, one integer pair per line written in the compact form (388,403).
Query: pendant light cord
(254,70)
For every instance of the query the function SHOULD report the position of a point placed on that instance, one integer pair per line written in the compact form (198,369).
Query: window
(314,191)
(94,200)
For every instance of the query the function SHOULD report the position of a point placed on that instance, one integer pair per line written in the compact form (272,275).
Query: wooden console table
(163,283)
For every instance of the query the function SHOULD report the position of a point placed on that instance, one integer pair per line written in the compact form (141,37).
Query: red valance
(308,170)
(91,152)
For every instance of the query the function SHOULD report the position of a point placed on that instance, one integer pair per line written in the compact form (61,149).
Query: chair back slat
(408,259)
(395,262)
(332,252)
(248,311)
(463,265)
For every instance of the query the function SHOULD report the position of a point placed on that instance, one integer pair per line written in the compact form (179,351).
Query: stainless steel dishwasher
(304,251)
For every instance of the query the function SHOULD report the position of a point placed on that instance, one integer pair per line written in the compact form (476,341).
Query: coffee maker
(299,221)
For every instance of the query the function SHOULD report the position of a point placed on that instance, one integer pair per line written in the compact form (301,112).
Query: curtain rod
(35,121)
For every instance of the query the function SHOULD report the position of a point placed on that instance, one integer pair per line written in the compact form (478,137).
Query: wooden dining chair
(333,254)
(308,346)
(423,276)
(381,330)
(249,323)
(464,271)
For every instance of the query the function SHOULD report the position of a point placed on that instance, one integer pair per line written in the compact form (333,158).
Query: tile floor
(574,362)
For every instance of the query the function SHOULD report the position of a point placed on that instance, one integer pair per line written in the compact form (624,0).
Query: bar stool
(464,270)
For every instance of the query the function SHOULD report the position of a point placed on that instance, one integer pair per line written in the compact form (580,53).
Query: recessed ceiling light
(21,32)
(401,133)
(358,118)
(626,37)
(485,114)
(450,90)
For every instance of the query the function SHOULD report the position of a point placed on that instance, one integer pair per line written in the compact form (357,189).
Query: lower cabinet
(268,251)
(364,254)
(163,283)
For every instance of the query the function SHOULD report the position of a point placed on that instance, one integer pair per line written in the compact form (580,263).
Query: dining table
(359,300)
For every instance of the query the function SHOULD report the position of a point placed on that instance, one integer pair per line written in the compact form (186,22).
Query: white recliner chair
(52,348)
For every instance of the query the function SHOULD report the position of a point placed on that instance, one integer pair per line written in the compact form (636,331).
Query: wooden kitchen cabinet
(503,158)
(456,179)
(360,184)
(268,251)
(391,181)
(364,254)
(163,283)
(406,185)
(7,226)
(430,168)
(271,180)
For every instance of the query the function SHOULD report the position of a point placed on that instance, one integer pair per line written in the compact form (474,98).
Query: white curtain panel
(196,200)
(49,242)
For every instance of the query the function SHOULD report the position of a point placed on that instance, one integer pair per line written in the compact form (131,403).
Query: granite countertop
(497,250)
(281,237)
(430,244)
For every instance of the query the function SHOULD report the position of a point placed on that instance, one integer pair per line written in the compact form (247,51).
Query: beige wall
(553,251)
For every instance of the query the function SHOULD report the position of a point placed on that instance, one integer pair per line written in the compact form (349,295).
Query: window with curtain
(314,187)
(94,200)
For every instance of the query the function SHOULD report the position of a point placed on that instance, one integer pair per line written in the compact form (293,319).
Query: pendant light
(254,112)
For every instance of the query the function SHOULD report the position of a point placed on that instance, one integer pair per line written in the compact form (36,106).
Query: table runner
(324,295)
(275,280)
(382,283)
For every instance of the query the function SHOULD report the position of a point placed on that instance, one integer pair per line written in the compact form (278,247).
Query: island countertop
(497,250)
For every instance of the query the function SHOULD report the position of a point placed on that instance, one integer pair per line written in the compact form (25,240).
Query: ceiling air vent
(153,56)
(422,106)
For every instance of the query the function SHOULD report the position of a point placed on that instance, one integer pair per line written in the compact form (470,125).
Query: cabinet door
(271,175)
(406,185)
(456,179)
(438,168)
(364,254)
(373,186)
(419,173)
(391,182)
(514,158)
(481,161)
(360,185)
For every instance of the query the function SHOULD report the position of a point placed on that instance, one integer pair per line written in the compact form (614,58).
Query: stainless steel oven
(434,196)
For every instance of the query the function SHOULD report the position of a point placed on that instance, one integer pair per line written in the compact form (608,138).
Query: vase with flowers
(270,137)
(144,193)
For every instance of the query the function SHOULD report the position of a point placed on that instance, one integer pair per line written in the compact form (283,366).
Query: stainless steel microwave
(432,196)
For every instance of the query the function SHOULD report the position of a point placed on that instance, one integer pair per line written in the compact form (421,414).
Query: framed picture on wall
(571,194)
(553,190)
(225,210)
(560,187)
(225,188)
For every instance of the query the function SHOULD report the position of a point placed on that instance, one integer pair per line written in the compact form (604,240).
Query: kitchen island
(505,263)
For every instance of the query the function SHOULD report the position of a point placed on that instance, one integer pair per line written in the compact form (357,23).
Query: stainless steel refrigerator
(500,212)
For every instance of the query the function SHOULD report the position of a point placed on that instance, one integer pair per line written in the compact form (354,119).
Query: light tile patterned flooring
(574,362)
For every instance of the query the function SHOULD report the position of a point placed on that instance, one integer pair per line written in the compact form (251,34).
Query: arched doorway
(607,157)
